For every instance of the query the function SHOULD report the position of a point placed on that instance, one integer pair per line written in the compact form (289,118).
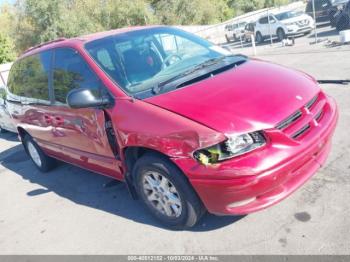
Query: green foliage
(184,12)
(30,22)
(6,11)
(6,50)
(243,6)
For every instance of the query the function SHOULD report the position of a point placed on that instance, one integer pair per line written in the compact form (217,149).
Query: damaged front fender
(140,124)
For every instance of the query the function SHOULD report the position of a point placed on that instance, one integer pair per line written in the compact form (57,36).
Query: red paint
(254,96)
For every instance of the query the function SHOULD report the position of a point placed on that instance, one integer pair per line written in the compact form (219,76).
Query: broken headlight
(235,145)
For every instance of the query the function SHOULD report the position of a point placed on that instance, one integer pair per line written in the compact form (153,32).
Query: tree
(184,12)
(38,21)
(6,50)
(120,13)
(243,6)
(6,12)
(31,22)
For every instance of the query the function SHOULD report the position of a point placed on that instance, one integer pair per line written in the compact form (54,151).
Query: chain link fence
(311,23)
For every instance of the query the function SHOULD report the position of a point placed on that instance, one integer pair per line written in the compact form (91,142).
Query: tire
(158,181)
(235,39)
(343,23)
(43,162)
(259,38)
(281,35)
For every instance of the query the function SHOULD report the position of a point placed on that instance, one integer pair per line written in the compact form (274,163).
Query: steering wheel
(168,58)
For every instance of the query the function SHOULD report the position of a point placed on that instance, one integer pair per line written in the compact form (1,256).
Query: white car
(282,25)
(235,31)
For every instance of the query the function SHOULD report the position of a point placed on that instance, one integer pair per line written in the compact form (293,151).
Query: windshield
(139,60)
(287,15)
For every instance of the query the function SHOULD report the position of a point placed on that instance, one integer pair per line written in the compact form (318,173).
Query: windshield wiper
(213,61)
(207,63)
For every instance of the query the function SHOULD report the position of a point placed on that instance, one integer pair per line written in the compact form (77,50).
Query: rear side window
(264,20)
(71,71)
(29,77)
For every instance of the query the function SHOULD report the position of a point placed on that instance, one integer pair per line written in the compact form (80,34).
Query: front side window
(71,71)
(29,77)
(264,20)
(139,60)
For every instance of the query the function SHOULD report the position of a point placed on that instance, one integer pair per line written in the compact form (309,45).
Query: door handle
(48,119)
(59,121)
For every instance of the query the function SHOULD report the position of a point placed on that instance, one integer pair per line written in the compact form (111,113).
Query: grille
(303,23)
(301,131)
(289,120)
(311,103)
(304,119)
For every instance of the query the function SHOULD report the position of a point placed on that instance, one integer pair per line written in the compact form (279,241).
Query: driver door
(78,136)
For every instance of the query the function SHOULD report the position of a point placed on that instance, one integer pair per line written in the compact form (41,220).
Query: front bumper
(296,30)
(264,177)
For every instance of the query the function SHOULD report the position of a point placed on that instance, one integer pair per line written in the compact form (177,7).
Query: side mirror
(85,98)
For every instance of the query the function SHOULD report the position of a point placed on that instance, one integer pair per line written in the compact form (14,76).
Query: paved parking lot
(324,33)
(72,211)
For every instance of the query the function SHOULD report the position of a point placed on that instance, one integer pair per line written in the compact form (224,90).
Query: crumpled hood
(254,96)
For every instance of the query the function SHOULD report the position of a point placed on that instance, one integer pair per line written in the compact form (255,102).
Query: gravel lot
(72,211)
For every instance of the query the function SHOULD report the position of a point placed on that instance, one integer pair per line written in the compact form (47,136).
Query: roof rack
(43,44)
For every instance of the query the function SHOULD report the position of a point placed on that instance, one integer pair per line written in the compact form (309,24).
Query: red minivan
(188,126)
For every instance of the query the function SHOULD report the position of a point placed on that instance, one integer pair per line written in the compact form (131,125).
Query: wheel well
(132,153)
(280,28)
(22,132)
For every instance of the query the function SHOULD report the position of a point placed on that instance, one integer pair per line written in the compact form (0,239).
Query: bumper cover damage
(261,179)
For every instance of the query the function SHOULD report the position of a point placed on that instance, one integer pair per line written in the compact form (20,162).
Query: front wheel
(166,192)
(43,162)
(259,38)
(281,35)
(235,38)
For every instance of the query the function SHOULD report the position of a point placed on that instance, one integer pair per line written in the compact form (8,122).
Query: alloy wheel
(161,193)
(34,154)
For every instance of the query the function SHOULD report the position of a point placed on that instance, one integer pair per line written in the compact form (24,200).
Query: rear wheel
(281,35)
(166,192)
(259,38)
(43,162)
